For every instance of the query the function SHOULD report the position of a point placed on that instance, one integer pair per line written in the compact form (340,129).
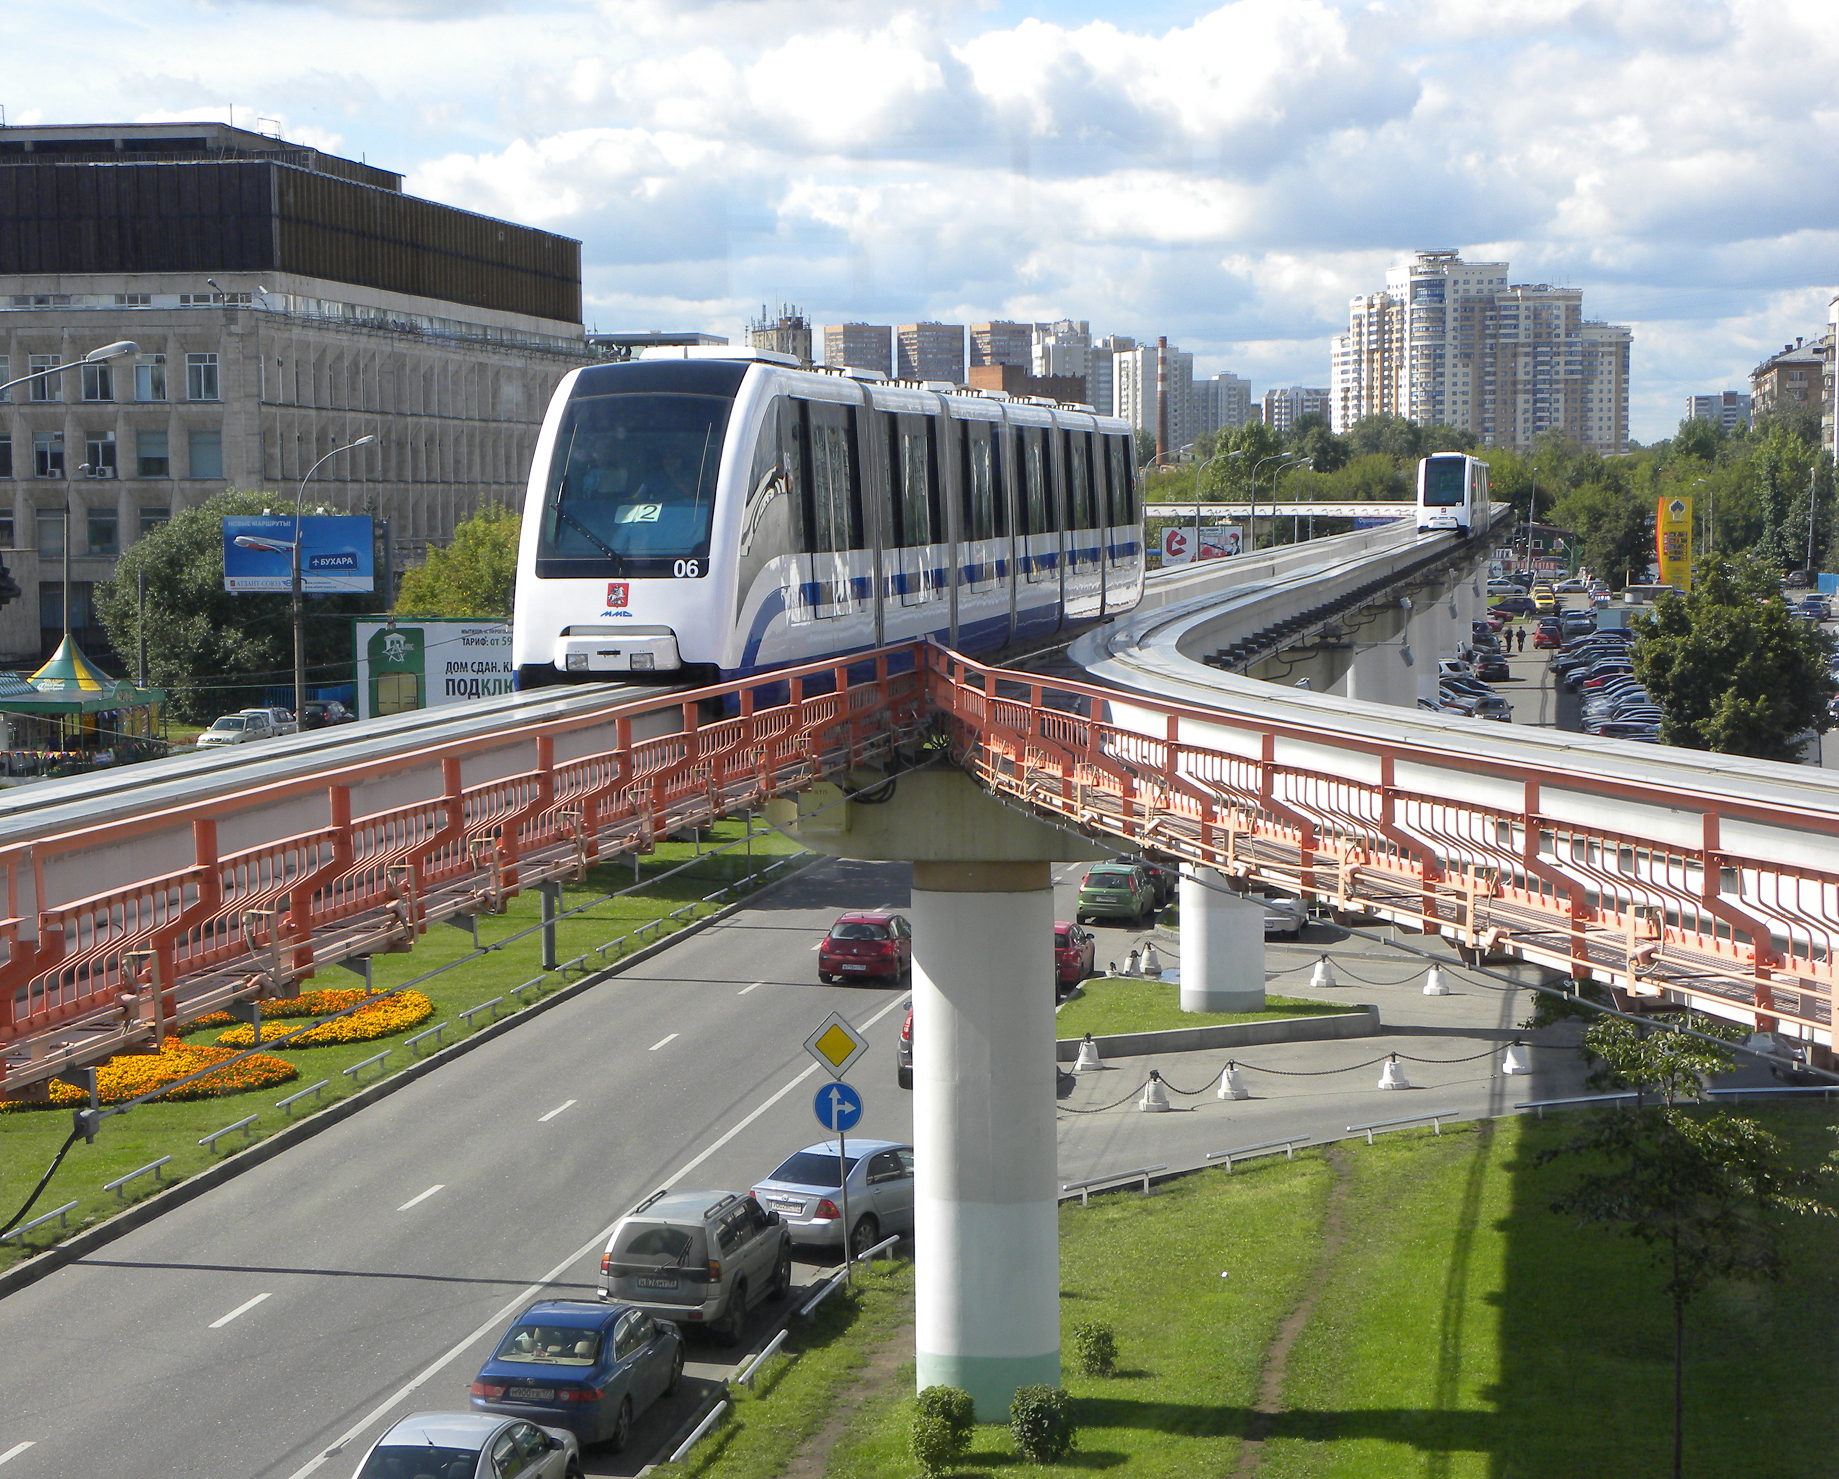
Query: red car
(1546,637)
(1073,952)
(868,943)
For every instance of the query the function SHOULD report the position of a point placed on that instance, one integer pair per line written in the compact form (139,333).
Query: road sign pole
(842,1165)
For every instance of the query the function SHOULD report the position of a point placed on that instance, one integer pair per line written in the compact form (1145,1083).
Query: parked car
(237,729)
(319,713)
(1546,636)
(1285,916)
(471,1445)
(1115,891)
(1492,667)
(1569,587)
(1521,605)
(700,1258)
(281,719)
(590,1368)
(1074,950)
(806,1191)
(1816,608)
(1164,877)
(865,944)
(903,1053)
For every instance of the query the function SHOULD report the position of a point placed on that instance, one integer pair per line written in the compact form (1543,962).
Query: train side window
(912,457)
(1080,504)
(836,516)
(999,489)
(793,471)
(1034,482)
(1123,496)
(979,487)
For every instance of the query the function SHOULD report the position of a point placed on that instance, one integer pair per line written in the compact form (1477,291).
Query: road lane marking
(745,989)
(15,1451)
(492,1325)
(429,1192)
(661,1041)
(543,1119)
(241,1309)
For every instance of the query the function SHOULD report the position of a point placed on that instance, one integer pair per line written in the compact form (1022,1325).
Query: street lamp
(1228,456)
(276,546)
(94,357)
(1296,519)
(1274,457)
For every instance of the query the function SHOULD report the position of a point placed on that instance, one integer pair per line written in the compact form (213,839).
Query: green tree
(1310,437)
(476,575)
(1734,670)
(1615,524)
(1441,438)
(1705,1193)
(1397,437)
(1697,438)
(208,649)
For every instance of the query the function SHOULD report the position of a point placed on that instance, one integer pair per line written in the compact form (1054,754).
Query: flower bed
(134,1074)
(381,1018)
(307,1004)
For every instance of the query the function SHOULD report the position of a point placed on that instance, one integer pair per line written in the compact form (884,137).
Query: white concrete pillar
(1424,634)
(986,1215)
(1222,947)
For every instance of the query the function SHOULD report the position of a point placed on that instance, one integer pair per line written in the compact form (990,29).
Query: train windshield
(1445,481)
(631,488)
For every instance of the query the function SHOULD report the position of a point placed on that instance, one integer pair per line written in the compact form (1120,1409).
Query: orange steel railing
(1495,855)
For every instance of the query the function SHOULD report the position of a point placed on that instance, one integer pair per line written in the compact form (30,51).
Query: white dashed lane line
(745,989)
(423,1196)
(241,1309)
(661,1041)
(15,1451)
(543,1119)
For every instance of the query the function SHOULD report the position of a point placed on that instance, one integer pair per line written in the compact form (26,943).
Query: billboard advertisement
(335,553)
(1216,542)
(1673,542)
(427,663)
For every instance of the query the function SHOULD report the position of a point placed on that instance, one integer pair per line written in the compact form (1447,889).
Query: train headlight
(577,662)
(643,662)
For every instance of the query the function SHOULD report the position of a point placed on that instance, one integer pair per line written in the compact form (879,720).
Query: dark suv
(699,1258)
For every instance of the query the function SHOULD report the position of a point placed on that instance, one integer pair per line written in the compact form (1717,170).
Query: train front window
(631,487)
(1444,483)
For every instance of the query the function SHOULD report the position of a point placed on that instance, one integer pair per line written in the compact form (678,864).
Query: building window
(6,529)
(6,456)
(134,300)
(201,377)
(104,533)
(150,378)
(151,458)
(48,454)
(152,515)
(99,455)
(51,605)
(206,459)
(46,387)
(6,374)
(51,533)
(98,382)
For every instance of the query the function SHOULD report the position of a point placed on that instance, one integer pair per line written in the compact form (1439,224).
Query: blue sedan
(590,1368)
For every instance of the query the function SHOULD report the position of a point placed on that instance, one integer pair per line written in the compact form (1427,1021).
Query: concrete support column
(1222,947)
(987,1264)
(1424,635)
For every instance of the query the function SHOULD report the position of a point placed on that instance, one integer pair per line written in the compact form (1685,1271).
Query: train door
(1010,544)
(1059,512)
(1101,508)
(792,436)
(873,466)
(948,465)
(834,526)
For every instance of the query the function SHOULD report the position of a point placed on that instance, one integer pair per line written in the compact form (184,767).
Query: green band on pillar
(991,1380)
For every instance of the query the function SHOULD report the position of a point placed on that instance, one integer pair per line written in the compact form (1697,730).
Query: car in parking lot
(806,1191)
(1549,634)
(1521,605)
(1491,667)
(866,943)
(1115,891)
(1285,916)
(1074,950)
(1163,877)
(321,713)
(281,720)
(236,729)
(1816,608)
(588,1367)
(471,1445)
(701,1258)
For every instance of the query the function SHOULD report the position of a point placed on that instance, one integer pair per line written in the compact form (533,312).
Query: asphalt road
(276,1324)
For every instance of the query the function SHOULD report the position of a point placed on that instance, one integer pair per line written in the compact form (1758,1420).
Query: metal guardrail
(60,1213)
(830,1286)
(883,1246)
(1544,1104)
(1246,1151)
(1435,1116)
(242,1124)
(292,1099)
(746,1377)
(357,1068)
(491,1006)
(437,1031)
(1084,1188)
(1825,1091)
(696,1434)
(121,1181)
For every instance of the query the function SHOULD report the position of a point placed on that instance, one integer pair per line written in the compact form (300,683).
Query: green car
(1115,891)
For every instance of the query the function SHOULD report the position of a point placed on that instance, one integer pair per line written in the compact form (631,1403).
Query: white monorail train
(1452,491)
(704,515)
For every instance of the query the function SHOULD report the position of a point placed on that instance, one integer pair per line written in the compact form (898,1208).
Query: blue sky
(1228,176)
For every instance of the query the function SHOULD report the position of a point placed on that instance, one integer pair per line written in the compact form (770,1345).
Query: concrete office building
(285,302)
(931,351)
(1003,343)
(1455,343)
(1727,410)
(860,346)
(788,333)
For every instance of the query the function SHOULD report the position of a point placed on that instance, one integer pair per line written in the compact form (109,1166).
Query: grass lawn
(29,1138)
(1459,1329)
(1125,1004)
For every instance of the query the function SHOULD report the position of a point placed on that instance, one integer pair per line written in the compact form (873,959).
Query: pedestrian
(1522,639)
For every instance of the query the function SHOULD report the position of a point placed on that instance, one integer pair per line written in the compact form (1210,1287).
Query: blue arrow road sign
(838,1108)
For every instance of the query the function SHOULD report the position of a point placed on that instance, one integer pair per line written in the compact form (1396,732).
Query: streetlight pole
(298,594)
(1276,473)
(1197,476)
(1252,527)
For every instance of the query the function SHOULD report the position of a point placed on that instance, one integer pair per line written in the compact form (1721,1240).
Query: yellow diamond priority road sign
(836,1045)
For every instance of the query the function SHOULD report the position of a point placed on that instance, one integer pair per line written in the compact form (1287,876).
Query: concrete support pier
(1222,946)
(987,1280)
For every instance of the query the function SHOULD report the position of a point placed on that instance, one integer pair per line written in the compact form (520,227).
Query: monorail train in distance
(1452,486)
(706,514)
